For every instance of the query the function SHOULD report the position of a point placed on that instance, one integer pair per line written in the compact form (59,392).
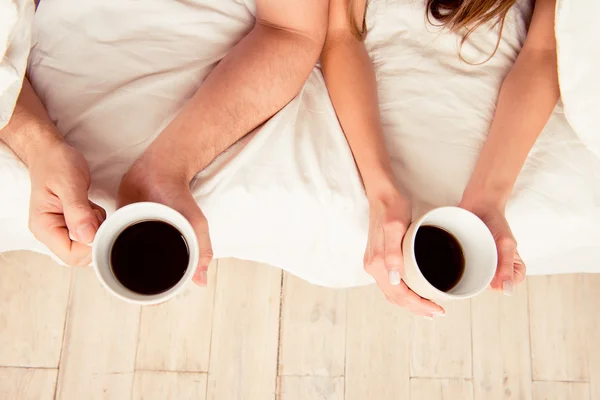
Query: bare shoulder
(307,17)
(541,34)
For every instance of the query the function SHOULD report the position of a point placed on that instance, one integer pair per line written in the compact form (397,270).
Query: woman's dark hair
(457,15)
(469,15)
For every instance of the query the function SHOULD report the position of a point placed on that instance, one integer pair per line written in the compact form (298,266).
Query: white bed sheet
(15,41)
(112,74)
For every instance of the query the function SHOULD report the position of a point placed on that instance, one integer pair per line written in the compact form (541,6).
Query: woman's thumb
(504,274)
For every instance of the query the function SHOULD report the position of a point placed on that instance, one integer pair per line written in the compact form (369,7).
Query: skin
(261,74)
(528,95)
(60,213)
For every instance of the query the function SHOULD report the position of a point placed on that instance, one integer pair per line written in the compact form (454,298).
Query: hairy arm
(352,87)
(527,97)
(30,130)
(255,80)
(60,213)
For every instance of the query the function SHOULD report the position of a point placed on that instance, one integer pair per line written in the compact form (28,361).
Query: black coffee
(439,257)
(149,257)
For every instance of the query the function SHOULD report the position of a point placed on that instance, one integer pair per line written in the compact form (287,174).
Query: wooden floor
(258,334)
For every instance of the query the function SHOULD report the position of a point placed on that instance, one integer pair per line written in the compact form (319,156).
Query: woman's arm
(527,97)
(352,87)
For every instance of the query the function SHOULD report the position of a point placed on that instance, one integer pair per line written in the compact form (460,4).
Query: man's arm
(59,206)
(30,131)
(256,79)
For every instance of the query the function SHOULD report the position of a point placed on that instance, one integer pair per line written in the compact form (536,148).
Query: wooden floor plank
(310,388)
(592,301)
(243,359)
(440,389)
(27,383)
(501,352)
(441,348)
(175,336)
(100,343)
(561,391)
(313,329)
(153,385)
(558,328)
(34,292)
(377,347)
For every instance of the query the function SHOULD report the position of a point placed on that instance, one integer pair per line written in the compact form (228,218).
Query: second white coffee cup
(117,223)
(479,251)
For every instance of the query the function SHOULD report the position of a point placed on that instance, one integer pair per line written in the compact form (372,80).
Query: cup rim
(190,235)
(441,294)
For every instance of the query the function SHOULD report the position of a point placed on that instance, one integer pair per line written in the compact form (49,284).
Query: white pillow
(578,39)
(16,17)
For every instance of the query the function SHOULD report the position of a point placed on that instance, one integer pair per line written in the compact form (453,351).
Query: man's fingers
(503,280)
(189,209)
(98,212)
(81,220)
(51,230)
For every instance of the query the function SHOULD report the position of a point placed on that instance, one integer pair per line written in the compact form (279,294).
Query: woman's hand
(60,213)
(389,218)
(151,179)
(511,269)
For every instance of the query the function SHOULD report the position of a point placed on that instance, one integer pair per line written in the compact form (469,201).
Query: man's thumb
(206,252)
(191,211)
(79,216)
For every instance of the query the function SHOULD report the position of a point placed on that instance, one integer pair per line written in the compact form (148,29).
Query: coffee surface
(149,257)
(439,257)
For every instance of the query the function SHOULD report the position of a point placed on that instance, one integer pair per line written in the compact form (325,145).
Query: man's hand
(152,180)
(260,75)
(60,214)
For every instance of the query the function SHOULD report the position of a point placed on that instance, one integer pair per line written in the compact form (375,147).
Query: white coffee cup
(117,223)
(479,251)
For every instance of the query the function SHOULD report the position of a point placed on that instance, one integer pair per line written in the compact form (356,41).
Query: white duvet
(112,74)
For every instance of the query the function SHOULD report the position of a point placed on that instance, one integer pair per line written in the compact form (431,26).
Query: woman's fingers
(393,232)
(397,292)
(413,302)
(520,270)
(507,247)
